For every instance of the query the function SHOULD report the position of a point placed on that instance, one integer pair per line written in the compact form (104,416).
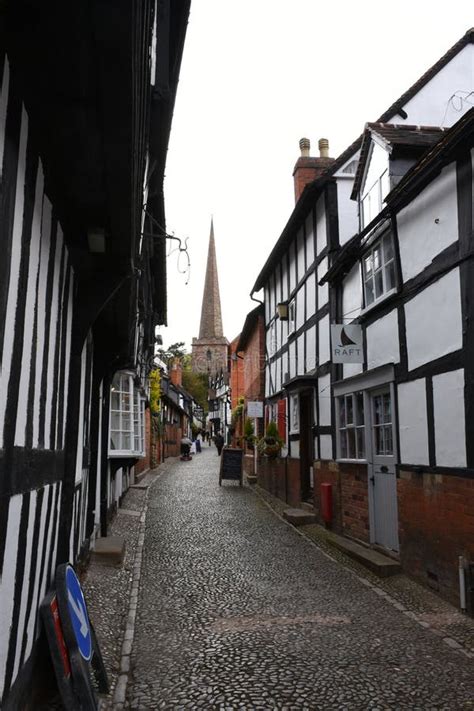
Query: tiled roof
(393,135)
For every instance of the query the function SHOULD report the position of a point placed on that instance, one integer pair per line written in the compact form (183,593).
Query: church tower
(209,351)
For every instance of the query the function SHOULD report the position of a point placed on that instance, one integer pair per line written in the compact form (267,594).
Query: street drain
(244,624)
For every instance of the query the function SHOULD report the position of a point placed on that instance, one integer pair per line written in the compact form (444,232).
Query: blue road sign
(78,614)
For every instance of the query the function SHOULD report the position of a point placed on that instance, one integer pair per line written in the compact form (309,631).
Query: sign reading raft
(347,344)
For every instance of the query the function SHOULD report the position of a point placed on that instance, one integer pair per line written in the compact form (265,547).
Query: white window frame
(354,425)
(122,391)
(387,263)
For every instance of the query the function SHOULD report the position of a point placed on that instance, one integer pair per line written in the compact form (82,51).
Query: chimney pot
(305,146)
(323,145)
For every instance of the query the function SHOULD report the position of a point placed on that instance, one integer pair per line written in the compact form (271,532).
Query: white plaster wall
(430,106)
(321,238)
(324,396)
(278,375)
(267,381)
(7,582)
(420,238)
(326,447)
(284,279)
(292,268)
(300,348)
(347,210)
(300,253)
(322,290)
(292,359)
(413,423)
(352,294)
(266,299)
(450,435)
(300,306)
(309,240)
(382,341)
(350,369)
(311,349)
(295,449)
(433,321)
(285,364)
(310,295)
(323,337)
(316,448)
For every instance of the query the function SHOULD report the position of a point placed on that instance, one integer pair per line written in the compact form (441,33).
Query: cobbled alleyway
(236,610)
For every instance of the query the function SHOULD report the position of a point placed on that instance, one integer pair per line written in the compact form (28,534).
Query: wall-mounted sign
(347,344)
(255,409)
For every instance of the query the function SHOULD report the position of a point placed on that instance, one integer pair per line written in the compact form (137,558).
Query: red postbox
(326,501)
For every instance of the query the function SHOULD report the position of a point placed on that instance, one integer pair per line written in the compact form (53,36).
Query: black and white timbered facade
(82,150)
(381,239)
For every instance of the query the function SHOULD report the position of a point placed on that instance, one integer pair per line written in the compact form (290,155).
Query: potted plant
(249,435)
(271,443)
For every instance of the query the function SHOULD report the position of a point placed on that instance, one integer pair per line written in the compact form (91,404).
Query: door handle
(372,479)
(384,469)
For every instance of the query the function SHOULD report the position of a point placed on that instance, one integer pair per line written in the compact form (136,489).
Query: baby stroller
(185,449)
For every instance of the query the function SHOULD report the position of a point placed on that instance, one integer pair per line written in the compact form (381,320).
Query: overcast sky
(256,76)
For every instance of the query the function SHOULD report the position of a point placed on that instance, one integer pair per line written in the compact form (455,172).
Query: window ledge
(380,300)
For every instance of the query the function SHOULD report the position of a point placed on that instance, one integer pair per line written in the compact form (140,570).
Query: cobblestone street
(236,610)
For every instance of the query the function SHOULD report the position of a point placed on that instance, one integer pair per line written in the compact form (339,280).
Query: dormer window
(378,267)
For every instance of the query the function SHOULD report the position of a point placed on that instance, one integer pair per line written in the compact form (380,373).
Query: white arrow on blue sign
(78,614)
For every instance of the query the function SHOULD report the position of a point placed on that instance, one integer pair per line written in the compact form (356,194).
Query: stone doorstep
(380,564)
(251,479)
(110,549)
(299,517)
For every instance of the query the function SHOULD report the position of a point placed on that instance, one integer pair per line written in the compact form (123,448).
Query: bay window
(127,418)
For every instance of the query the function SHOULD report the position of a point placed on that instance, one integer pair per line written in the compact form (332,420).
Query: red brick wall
(436,525)
(236,373)
(349,495)
(281,477)
(254,368)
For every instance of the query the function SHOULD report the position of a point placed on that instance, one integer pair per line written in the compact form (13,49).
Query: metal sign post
(255,410)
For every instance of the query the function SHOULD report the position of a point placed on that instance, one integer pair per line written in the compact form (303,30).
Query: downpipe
(462,583)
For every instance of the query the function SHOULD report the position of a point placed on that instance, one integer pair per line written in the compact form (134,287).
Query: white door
(382,475)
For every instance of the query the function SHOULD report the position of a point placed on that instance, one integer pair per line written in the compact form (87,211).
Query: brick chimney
(308,168)
(176,374)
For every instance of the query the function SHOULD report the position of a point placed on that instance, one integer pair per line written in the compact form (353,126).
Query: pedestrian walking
(198,442)
(219,442)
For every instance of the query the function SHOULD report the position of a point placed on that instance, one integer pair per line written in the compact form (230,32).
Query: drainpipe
(462,584)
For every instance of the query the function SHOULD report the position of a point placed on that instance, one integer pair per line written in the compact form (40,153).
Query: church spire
(211,317)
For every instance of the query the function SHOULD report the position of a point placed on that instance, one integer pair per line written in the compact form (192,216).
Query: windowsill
(351,461)
(380,300)
(125,454)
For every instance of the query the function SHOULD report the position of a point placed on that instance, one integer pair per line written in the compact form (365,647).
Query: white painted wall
(300,350)
(311,349)
(431,105)
(433,321)
(309,240)
(321,238)
(295,449)
(285,364)
(420,237)
(323,336)
(300,305)
(310,295)
(347,210)
(3,109)
(448,401)
(284,279)
(7,582)
(382,341)
(352,294)
(323,291)
(300,253)
(326,447)
(413,424)
(292,357)
(324,397)
(292,268)
(350,369)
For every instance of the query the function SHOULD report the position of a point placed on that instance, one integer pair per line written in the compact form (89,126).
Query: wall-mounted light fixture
(282,311)
(96,240)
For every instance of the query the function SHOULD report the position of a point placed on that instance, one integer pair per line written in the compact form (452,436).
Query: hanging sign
(347,344)
(255,409)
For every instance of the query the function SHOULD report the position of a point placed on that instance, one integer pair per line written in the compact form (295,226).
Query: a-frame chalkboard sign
(231,464)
